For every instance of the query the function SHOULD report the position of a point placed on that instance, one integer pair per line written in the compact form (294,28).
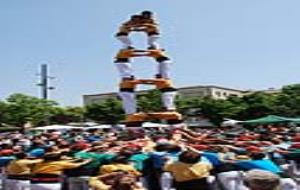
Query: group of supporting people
(152,159)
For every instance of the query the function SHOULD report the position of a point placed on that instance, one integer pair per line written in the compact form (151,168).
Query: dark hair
(174,148)
(146,12)
(6,146)
(20,155)
(52,157)
(257,156)
(162,147)
(189,157)
(135,17)
(127,152)
(124,182)
(122,159)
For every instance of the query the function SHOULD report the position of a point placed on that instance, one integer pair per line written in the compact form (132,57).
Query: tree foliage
(22,109)
(108,111)
(150,101)
(67,115)
(19,109)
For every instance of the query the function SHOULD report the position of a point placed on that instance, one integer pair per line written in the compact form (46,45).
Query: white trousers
(13,184)
(295,168)
(78,183)
(168,100)
(129,102)
(231,180)
(46,186)
(166,180)
(164,69)
(125,41)
(288,184)
(125,70)
(152,41)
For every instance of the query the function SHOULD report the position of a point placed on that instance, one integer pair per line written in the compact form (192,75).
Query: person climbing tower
(143,22)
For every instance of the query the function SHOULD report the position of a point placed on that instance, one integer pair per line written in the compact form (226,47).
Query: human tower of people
(146,23)
(264,158)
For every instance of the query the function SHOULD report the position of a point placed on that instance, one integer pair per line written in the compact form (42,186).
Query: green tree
(217,110)
(67,115)
(22,109)
(288,101)
(189,106)
(3,112)
(258,105)
(108,111)
(150,101)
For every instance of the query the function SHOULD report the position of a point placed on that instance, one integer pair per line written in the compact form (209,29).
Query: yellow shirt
(118,167)
(54,167)
(21,167)
(185,172)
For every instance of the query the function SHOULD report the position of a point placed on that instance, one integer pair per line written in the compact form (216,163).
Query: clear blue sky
(234,43)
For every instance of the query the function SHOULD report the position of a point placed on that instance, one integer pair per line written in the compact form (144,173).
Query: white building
(215,92)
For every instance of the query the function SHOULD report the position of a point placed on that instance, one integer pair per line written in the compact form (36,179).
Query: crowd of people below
(264,158)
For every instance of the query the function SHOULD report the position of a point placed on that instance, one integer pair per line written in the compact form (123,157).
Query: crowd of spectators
(264,158)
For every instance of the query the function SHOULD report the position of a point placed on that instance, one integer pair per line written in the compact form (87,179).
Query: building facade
(215,92)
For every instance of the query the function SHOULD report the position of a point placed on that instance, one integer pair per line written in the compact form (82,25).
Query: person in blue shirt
(4,160)
(258,161)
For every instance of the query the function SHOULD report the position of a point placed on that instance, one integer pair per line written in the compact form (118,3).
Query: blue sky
(234,43)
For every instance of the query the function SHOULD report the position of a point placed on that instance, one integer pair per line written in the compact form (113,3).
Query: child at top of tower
(144,22)
(148,18)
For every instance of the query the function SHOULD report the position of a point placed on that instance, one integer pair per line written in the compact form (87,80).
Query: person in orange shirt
(144,22)
(151,28)
(122,61)
(164,62)
(125,29)
(125,69)
(127,94)
(168,92)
